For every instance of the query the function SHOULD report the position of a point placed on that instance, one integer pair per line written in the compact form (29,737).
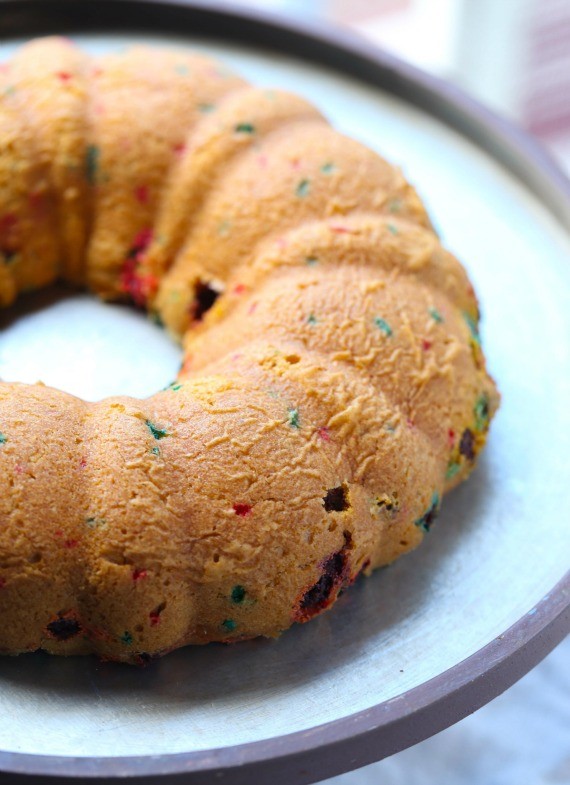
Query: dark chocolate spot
(467,444)
(63,628)
(316,598)
(205,295)
(336,499)
(335,572)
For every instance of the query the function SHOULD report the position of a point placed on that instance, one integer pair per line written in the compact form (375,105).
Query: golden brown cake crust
(333,385)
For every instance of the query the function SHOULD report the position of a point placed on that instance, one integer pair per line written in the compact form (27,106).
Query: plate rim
(388,727)
(348,743)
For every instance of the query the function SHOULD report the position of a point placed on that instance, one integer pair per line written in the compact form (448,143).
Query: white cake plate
(423,643)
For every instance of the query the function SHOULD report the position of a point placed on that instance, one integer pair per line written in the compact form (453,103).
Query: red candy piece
(141,194)
(140,287)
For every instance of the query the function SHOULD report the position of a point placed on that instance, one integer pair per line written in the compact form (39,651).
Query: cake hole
(115,558)
(34,558)
(85,347)
(336,499)
(205,295)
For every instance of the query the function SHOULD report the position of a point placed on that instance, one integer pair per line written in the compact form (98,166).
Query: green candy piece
(452,470)
(93,522)
(435,315)
(244,128)
(473,328)
(229,624)
(92,163)
(303,188)
(293,418)
(158,433)
(238,594)
(383,325)
(429,516)
(481,412)
(224,228)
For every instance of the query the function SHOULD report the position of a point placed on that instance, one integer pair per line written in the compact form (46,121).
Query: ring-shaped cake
(333,386)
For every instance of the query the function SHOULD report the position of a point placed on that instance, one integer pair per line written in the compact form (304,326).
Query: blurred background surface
(514,56)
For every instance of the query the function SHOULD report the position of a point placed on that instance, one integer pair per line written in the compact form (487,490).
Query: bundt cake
(333,385)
